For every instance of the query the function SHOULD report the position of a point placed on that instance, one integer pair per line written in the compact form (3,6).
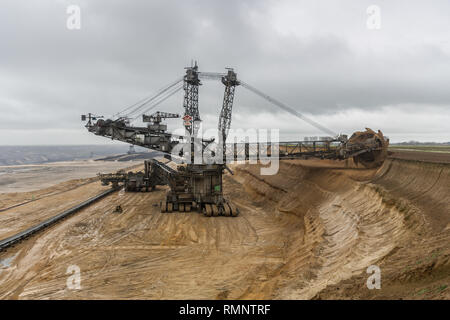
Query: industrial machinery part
(153,137)
(191,113)
(112,178)
(197,187)
(230,81)
(156,117)
(154,121)
(372,145)
(89,118)
(135,181)
(192,187)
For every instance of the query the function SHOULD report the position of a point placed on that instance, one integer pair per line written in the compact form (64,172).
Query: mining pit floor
(309,232)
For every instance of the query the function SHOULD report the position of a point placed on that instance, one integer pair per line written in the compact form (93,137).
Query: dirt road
(310,231)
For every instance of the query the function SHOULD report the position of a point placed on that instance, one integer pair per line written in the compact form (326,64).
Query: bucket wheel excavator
(197,185)
(361,139)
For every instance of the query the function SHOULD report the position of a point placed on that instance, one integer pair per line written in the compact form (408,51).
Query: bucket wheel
(372,158)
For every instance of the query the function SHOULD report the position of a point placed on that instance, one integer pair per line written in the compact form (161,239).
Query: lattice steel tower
(230,81)
(191,114)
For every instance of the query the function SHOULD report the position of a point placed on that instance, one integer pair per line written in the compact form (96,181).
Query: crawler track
(5,243)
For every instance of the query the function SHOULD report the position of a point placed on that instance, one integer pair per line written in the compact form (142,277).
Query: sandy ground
(309,232)
(25,178)
(22,210)
(425,156)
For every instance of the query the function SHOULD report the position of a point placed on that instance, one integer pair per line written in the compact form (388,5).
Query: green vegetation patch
(421,147)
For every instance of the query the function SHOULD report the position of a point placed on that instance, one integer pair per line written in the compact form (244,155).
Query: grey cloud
(126,50)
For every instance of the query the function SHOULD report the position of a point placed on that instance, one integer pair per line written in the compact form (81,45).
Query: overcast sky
(319,57)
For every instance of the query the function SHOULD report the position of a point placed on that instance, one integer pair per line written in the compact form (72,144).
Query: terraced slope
(310,231)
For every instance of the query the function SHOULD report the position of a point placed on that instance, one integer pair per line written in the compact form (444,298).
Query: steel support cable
(160,93)
(148,99)
(162,99)
(287,108)
(152,97)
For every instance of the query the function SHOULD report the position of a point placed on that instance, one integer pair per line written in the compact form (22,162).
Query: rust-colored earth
(309,232)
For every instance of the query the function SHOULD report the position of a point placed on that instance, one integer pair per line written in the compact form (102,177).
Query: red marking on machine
(187,120)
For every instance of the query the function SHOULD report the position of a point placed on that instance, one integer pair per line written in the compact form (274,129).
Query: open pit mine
(180,227)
